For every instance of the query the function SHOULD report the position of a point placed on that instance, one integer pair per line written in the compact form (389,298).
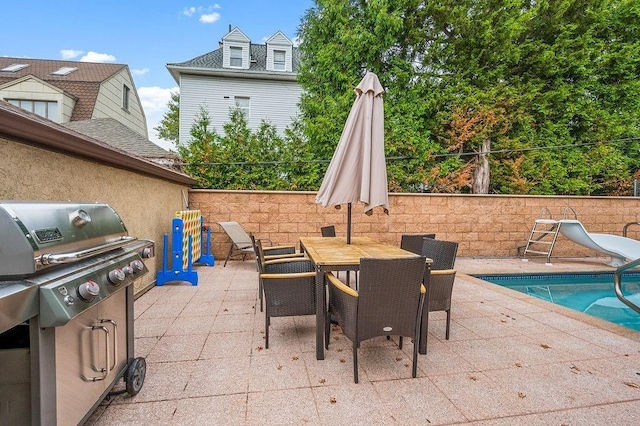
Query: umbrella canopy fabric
(358,171)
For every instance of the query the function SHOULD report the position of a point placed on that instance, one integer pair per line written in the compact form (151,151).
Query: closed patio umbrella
(358,171)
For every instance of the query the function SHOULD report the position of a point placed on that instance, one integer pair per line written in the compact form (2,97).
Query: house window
(64,71)
(125,97)
(14,67)
(279,60)
(243,103)
(46,109)
(235,56)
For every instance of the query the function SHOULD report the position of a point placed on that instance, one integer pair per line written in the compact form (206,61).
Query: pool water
(591,293)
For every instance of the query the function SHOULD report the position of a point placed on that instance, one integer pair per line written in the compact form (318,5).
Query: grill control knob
(116,277)
(137,266)
(128,270)
(87,291)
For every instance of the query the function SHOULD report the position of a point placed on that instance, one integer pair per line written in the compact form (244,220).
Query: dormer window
(279,60)
(279,53)
(235,56)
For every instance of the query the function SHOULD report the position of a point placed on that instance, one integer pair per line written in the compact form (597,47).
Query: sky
(143,34)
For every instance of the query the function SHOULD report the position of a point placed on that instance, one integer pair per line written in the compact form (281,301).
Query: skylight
(64,71)
(14,67)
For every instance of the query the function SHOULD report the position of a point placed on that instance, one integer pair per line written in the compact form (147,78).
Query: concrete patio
(511,360)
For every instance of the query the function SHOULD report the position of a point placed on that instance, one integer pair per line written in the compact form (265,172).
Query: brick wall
(484,225)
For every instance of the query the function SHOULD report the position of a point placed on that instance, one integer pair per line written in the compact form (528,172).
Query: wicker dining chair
(413,242)
(388,303)
(269,253)
(442,277)
(328,231)
(289,288)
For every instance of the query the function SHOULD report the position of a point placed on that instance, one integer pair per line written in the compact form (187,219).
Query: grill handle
(107,368)
(51,259)
(115,340)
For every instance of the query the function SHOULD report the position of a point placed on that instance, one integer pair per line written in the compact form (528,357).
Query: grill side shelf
(18,303)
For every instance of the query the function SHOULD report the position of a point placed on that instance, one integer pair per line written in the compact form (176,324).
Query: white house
(259,78)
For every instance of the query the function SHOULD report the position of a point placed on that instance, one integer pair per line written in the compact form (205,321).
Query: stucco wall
(147,205)
(484,225)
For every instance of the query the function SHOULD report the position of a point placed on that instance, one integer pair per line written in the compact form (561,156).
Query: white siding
(109,103)
(36,89)
(275,101)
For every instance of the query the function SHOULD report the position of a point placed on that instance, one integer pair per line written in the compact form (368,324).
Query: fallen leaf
(259,348)
(342,360)
(632,385)
(225,310)
(474,378)
(294,358)
(518,364)
(521,395)
(407,365)
(322,381)
(279,367)
(545,346)
(399,358)
(332,400)
(504,321)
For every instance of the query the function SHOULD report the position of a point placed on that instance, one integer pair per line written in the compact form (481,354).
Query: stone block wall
(483,225)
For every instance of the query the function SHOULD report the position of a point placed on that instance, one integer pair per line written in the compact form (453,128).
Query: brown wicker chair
(413,243)
(328,231)
(442,277)
(264,254)
(289,288)
(389,303)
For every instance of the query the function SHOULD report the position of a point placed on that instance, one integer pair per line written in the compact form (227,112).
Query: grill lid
(37,235)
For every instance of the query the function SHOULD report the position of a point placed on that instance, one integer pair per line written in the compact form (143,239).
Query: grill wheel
(134,377)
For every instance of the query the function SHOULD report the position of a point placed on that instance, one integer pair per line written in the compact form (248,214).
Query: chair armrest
(278,260)
(283,249)
(285,276)
(443,271)
(283,256)
(340,285)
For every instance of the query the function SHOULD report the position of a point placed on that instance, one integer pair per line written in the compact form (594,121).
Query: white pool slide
(621,249)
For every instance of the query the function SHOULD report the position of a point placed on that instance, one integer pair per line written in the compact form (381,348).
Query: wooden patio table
(334,254)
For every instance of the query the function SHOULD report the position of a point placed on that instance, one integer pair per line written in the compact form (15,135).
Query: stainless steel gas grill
(66,310)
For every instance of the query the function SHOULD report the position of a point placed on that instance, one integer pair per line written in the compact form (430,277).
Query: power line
(457,154)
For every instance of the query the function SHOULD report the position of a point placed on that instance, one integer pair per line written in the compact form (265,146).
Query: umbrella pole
(349,223)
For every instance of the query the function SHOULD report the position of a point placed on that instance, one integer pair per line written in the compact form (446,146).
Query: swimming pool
(591,293)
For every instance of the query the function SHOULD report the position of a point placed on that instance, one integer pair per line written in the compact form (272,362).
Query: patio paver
(511,360)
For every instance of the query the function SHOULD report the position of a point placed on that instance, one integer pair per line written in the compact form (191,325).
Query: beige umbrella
(358,171)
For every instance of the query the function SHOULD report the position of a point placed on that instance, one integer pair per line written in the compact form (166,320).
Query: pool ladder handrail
(550,228)
(617,283)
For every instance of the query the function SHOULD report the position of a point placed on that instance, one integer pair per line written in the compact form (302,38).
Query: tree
(169,127)
(244,159)
(519,78)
